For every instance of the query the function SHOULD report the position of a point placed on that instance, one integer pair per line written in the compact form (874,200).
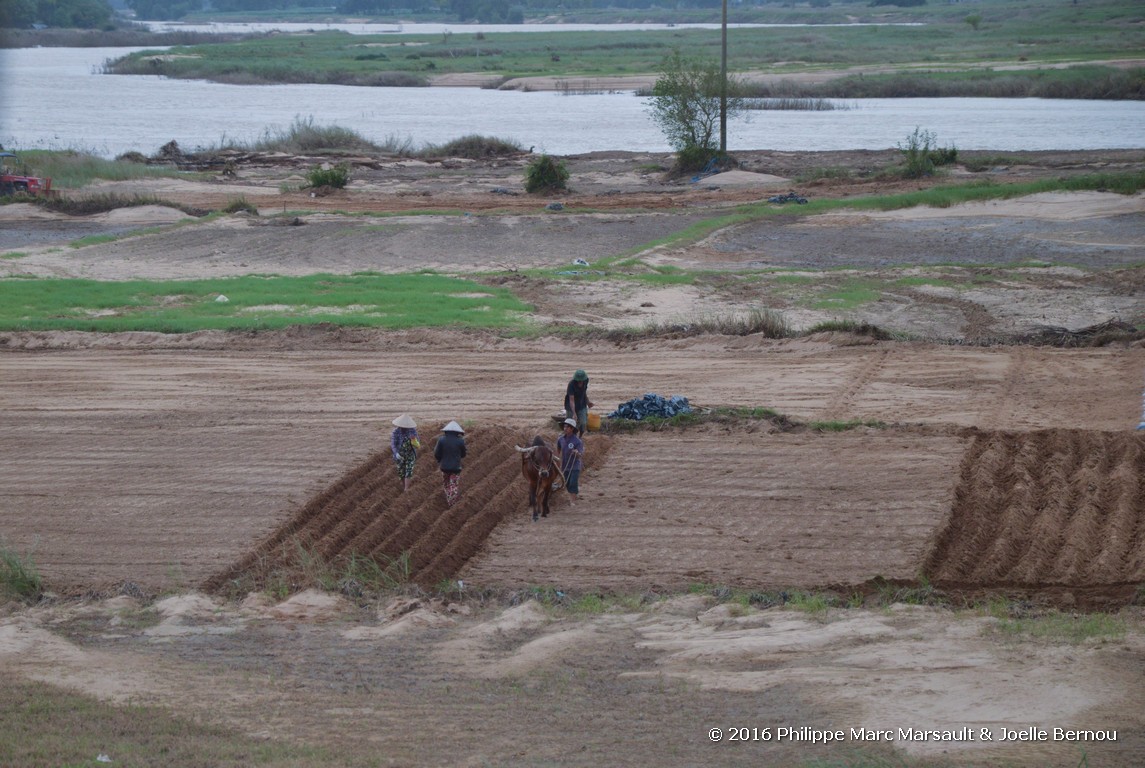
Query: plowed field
(205,464)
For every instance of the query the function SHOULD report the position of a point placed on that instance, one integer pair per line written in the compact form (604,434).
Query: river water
(54,98)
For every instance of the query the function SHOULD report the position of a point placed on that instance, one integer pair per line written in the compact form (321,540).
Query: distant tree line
(91,14)
(488,11)
(76,14)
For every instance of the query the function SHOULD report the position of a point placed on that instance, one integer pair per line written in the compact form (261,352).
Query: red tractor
(13,183)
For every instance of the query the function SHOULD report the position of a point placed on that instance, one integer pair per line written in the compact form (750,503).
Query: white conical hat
(453,426)
(405,420)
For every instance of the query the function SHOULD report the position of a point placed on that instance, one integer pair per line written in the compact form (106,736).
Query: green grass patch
(256,302)
(83,242)
(48,726)
(1067,628)
(849,295)
(851,326)
(913,281)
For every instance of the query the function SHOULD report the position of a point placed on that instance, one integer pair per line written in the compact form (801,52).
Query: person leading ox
(571,449)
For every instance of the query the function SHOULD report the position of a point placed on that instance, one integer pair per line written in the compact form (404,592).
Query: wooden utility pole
(724,80)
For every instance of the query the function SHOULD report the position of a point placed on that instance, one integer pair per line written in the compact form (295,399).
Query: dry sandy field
(161,482)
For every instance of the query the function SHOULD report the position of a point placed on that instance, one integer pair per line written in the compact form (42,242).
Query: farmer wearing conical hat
(404,445)
(449,451)
(571,449)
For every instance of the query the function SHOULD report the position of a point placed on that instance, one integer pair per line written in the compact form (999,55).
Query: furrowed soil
(178,491)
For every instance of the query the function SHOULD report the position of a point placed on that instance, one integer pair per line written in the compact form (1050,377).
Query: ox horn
(528,450)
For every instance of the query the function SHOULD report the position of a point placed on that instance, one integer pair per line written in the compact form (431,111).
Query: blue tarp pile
(651,405)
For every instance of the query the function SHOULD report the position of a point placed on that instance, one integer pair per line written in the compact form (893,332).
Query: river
(54,98)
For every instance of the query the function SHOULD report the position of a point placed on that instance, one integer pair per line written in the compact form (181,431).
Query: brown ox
(540,470)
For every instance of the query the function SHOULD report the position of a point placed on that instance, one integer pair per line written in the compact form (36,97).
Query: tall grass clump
(19,578)
(850,326)
(86,206)
(303,135)
(764,322)
(473,147)
(792,105)
(922,155)
(73,169)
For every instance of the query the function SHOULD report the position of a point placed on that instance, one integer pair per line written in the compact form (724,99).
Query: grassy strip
(1077,82)
(298,566)
(256,302)
(934,197)
(71,169)
(400,301)
(48,726)
(1041,31)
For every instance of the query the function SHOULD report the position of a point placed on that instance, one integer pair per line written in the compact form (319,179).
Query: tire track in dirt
(979,321)
(365,514)
(1049,508)
(842,401)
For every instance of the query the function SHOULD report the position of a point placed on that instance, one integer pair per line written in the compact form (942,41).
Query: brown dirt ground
(192,466)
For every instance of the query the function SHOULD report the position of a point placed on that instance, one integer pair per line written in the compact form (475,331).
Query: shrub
(132,157)
(922,155)
(693,159)
(240,204)
(474,147)
(336,177)
(545,174)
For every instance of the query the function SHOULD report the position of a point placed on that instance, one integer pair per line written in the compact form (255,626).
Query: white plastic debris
(102,758)
(221,299)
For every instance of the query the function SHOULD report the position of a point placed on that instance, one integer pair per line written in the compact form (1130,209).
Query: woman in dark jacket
(449,451)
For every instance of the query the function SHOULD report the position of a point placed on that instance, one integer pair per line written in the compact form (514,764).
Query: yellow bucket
(593,422)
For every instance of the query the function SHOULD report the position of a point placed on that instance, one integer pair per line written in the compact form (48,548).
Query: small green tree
(974,20)
(545,174)
(685,104)
(922,155)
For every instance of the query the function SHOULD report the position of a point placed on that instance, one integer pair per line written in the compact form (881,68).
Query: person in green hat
(577,402)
